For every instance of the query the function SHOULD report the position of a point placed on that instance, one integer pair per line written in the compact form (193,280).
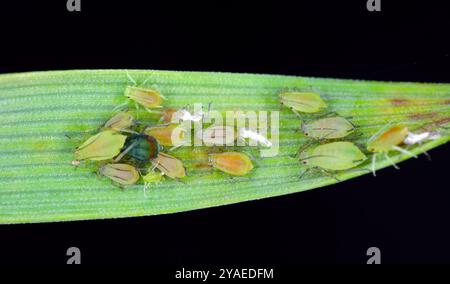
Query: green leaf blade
(37,110)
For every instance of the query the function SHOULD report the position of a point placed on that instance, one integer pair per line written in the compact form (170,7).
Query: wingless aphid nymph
(302,102)
(233,163)
(336,156)
(328,128)
(386,141)
(170,166)
(120,174)
(104,145)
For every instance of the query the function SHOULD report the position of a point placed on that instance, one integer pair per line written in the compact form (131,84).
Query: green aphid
(305,102)
(102,146)
(146,97)
(328,128)
(335,156)
(153,177)
(388,140)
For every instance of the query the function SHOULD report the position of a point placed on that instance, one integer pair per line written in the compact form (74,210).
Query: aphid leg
(329,174)
(209,110)
(128,131)
(391,161)
(176,147)
(304,173)
(328,114)
(136,106)
(427,155)
(301,149)
(404,151)
(118,158)
(374,161)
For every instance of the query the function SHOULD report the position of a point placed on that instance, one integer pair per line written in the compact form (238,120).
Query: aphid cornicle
(233,163)
(386,141)
(121,174)
(104,145)
(335,156)
(170,166)
(167,135)
(305,102)
(140,147)
(328,128)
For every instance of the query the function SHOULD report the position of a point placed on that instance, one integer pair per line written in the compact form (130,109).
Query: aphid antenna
(327,114)
(305,146)
(381,130)
(296,113)
(314,156)
(130,77)
(121,106)
(404,151)
(118,158)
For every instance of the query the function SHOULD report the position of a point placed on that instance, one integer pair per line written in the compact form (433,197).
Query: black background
(405,213)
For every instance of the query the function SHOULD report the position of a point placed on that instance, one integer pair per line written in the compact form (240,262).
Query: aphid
(335,156)
(120,121)
(175,116)
(233,163)
(386,141)
(102,146)
(122,174)
(245,133)
(167,135)
(328,128)
(153,177)
(168,114)
(146,97)
(170,166)
(217,135)
(306,102)
(141,147)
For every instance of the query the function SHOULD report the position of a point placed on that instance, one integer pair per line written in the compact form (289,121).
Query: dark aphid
(328,128)
(140,147)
